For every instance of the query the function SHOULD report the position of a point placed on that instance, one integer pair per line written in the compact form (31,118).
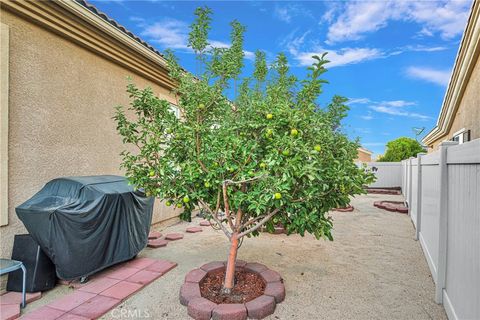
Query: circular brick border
(200,308)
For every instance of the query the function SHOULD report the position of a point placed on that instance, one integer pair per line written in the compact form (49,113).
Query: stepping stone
(122,290)
(44,312)
(194,229)
(16,297)
(121,272)
(71,301)
(99,285)
(10,311)
(154,235)
(144,277)
(174,236)
(95,307)
(162,266)
(71,316)
(140,263)
(157,243)
(205,223)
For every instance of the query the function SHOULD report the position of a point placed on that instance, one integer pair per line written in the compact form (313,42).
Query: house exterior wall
(61,104)
(468,114)
(364,156)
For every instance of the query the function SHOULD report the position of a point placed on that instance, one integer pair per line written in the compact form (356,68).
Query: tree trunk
(230,272)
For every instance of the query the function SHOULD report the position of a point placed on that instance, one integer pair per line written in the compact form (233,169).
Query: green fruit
(269,132)
(168,203)
(201,106)
(186,199)
(286,153)
(230,170)
(278,195)
(269,116)
(168,130)
(318,148)
(207,185)
(263,165)
(251,173)
(151,173)
(179,205)
(294,132)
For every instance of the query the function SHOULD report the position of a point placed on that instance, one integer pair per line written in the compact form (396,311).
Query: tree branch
(258,225)
(214,216)
(244,181)
(226,206)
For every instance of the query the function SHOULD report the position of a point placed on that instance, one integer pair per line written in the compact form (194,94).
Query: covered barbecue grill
(85,224)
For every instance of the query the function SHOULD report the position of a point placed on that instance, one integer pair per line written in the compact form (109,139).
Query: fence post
(419,195)
(443,221)
(409,197)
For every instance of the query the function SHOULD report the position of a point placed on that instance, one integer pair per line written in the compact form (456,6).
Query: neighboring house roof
(464,63)
(365,150)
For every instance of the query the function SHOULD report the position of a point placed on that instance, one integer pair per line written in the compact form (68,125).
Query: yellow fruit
(207,185)
(278,195)
(201,106)
(269,116)
(186,199)
(294,132)
(152,173)
(263,165)
(318,148)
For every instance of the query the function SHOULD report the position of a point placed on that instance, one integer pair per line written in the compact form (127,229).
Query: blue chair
(7,266)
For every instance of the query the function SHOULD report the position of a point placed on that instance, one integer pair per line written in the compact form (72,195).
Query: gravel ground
(374,269)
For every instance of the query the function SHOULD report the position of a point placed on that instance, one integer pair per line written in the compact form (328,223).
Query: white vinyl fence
(388,174)
(443,193)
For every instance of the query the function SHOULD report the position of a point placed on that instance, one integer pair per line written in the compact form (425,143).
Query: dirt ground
(374,269)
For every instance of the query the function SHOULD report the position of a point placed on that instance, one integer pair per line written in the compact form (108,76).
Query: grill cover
(85,224)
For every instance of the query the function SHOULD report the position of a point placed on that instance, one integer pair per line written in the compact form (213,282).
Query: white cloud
(173,34)
(358,101)
(367,117)
(287,12)
(355,19)
(391,107)
(440,77)
(341,57)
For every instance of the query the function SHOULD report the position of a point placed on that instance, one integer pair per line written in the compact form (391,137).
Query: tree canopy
(401,149)
(269,156)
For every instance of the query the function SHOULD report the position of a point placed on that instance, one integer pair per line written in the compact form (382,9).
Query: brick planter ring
(200,308)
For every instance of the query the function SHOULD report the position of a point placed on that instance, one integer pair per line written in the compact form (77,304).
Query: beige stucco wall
(468,113)
(363,156)
(61,103)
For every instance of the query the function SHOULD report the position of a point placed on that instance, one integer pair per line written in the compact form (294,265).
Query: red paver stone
(122,290)
(95,307)
(255,267)
(229,312)
(10,311)
(260,307)
(16,297)
(194,229)
(205,223)
(270,276)
(174,236)
(144,277)
(121,272)
(402,209)
(98,285)
(162,266)
(188,292)
(200,308)
(71,316)
(276,290)
(43,313)
(71,301)
(140,263)
(154,234)
(195,275)
(157,243)
(212,266)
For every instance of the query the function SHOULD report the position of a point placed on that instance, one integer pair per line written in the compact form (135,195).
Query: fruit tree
(270,155)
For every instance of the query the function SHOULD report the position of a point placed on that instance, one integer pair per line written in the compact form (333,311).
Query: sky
(392,59)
